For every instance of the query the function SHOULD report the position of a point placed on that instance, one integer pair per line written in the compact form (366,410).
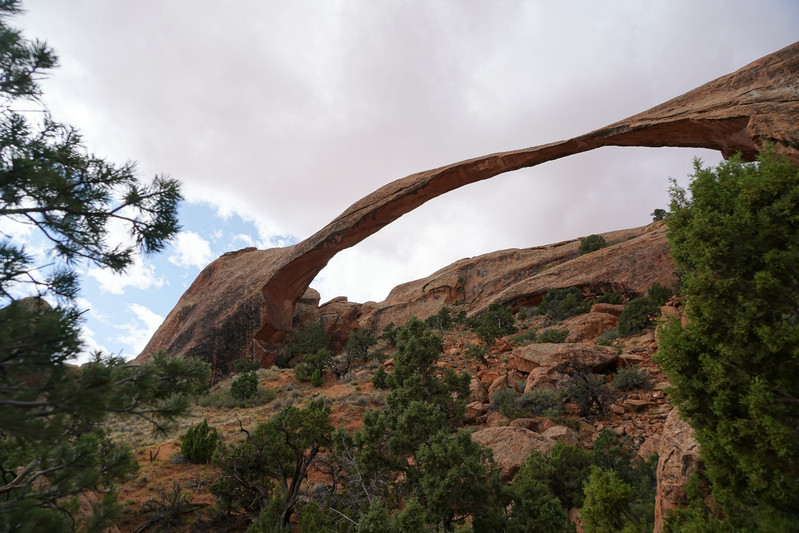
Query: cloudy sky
(278,115)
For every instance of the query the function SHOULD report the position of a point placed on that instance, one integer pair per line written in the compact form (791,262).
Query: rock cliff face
(738,112)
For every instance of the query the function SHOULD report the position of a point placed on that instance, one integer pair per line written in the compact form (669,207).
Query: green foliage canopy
(734,368)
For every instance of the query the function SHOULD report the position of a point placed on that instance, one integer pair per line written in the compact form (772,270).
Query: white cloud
(90,346)
(191,250)
(138,332)
(139,275)
(243,238)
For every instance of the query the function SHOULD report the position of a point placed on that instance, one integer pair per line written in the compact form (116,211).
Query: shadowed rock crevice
(738,112)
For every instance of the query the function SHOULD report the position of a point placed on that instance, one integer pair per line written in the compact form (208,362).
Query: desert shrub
(494,323)
(359,342)
(632,378)
(607,337)
(243,365)
(504,401)
(389,335)
(442,320)
(379,379)
(199,443)
(314,365)
(660,294)
(525,337)
(659,214)
(611,298)
(244,387)
(587,389)
(540,402)
(563,303)
(476,351)
(637,315)
(591,243)
(306,341)
(553,335)
(461,317)
(166,511)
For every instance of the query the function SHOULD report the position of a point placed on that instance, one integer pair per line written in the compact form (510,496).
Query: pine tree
(52,445)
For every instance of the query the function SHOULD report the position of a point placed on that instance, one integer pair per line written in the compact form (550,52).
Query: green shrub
(632,378)
(537,402)
(587,389)
(637,315)
(317,378)
(379,379)
(359,342)
(563,303)
(553,335)
(442,320)
(660,294)
(389,335)
(199,443)
(525,337)
(659,214)
(607,337)
(245,386)
(306,341)
(476,351)
(223,399)
(611,298)
(540,402)
(592,243)
(494,323)
(243,365)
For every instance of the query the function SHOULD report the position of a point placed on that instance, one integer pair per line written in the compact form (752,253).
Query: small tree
(245,386)
(199,443)
(592,243)
(265,471)
(637,315)
(607,503)
(495,322)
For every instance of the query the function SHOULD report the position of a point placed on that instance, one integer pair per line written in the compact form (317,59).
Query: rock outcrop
(738,112)
(511,446)
(678,458)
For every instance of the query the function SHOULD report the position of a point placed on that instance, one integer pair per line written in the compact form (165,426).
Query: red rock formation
(678,458)
(512,446)
(737,112)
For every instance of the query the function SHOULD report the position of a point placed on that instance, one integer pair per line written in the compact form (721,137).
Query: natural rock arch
(741,111)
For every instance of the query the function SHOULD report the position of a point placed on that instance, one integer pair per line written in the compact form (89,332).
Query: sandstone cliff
(738,112)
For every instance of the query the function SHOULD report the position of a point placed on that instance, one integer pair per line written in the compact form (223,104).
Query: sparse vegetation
(553,335)
(630,378)
(637,315)
(498,321)
(199,443)
(611,298)
(245,386)
(559,304)
(526,337)
(592,243)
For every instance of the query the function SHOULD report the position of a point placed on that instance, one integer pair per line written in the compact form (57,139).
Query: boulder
(527,358)
(609,309)
(512,446)
(589,326)
(562,434)
(678,458)
(477,391)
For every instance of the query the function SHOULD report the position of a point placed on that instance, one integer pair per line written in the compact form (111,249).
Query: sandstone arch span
(741,111)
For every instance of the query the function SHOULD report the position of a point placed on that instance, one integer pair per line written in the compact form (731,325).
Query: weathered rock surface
(512,446)
(678,458)
(738,112)
(567,354)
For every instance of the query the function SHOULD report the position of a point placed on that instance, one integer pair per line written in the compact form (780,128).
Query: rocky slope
(737,112)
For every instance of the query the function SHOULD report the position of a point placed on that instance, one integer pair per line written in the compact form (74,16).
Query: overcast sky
(277,115)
